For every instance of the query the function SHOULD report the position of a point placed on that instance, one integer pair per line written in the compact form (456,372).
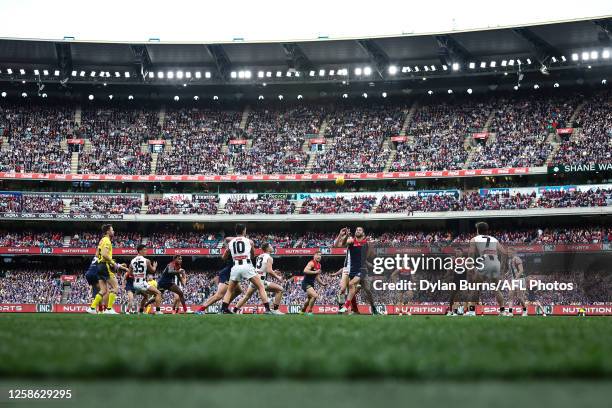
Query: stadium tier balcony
(259,206)
(105,204)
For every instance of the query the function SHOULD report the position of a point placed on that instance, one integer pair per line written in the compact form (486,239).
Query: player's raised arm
(341,239)
(151,266)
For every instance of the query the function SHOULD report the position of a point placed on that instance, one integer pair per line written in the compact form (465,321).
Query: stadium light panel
(472,65)
(297,74)
(280,97)
(110,97)
(331,72)
(24,95)
(518,61)
(215,98)
(585,56)
(483,64)
(416,69)
(605,54)
(241,74)
(45,72)
(594,55)
(493,64)
(179,74)
(312,73)
(344,96)
(469,91)
(130,97)
(23,82)
(574,57)
(188,74)
(248,74)
(450,91)
(4,94)
(260,74)
(367,71)
(556,85)
(321,72)
(511,62)
(563,58)
(358,71)
(433,67)
(92,74)
(196,98)
(455,66)
(516,87)
(22,71)
(299,96)
(384,94)
(207,75)
(528,61)
(504,63)
(365,95)
(445,67)
(234,74)
(392,70)
(176,98)
(553,59)
(82,73)
(117,74)
(126,74)
(288,74)
(279,74)
(36,72)
(430,92)
(44,95)
(90,97)
(426,68)
(56,72)
(73,73)
(10,71)
(604,81)
(170,75)
(536,86)
(260,97)
(198,74)
(184,85)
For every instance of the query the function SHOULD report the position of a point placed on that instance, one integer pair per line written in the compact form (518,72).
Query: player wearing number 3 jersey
(241,249)
(139,268)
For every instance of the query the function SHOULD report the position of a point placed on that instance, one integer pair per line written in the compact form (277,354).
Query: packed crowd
(327,205)
(286,239)
(197,138)
(115,136)
(357,135)
(259,206)
(522,128)
(593,142)
(207,205)
(278,136)
(31,203)
(34,134)
(39,285)
(105,204)
(438,133)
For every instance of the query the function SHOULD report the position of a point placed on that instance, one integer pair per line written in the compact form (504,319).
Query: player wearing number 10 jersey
(140,267)
(241,250)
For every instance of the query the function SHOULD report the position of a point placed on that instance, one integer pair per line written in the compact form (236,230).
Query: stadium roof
(541,48)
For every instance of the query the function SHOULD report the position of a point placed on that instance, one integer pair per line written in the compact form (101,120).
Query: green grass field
(299,347)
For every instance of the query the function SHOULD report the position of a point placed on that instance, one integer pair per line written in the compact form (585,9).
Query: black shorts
(103,272)
(353,274)
(92,275)
(129,287)
(306,285)
(224,274)
(164,284)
